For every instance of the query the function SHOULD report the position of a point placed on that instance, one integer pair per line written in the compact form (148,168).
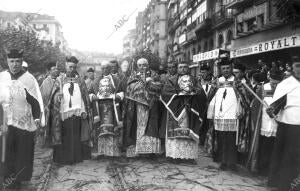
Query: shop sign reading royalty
(277,44)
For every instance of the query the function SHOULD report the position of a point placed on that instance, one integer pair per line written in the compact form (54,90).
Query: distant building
(46,27)
(202,31)
(129,44)
(151,28)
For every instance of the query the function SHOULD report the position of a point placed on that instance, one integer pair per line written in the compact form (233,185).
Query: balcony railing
(191,36)
(203,22)
(223,17)
(174,25)
(236,4)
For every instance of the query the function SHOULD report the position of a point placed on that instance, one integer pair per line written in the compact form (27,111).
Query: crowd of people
(240,117)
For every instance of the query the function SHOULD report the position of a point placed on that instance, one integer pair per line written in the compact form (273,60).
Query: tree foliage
(37,53)
(153,59)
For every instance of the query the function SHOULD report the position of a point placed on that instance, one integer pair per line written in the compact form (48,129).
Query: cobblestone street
(146,174)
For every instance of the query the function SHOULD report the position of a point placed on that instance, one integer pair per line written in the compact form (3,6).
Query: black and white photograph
(150,95)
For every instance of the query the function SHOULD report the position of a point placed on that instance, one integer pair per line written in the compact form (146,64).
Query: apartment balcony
(191,36)
(273,24)
(174,25)
(175,47)
(203,23)
(270,25)
(238,4)
(222,18)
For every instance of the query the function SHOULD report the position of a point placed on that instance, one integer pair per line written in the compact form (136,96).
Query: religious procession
(220,119)
(132,111)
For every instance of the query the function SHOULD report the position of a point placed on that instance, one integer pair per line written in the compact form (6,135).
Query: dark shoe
(223,167)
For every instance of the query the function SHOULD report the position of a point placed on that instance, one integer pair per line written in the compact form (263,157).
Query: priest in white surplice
(285,165)
(23,115)
(225,110)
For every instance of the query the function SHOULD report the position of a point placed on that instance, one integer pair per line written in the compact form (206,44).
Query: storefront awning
(214,54)
(271,45)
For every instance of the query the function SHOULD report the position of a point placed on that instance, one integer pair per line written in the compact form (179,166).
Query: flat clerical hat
(72,59)
(90,70)
(14,53)
(240,67)
(224,62)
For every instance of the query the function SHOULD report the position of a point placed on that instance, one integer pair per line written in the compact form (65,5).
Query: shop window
(260,20)
(240,28)
(220,40)
(251,23)
(229,36)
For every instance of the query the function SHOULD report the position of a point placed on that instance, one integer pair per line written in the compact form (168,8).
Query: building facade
(266,30)
(202,31)
(46,27)
(151,29)
(129,43)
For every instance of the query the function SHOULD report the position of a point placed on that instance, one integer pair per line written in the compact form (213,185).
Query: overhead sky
(86,24)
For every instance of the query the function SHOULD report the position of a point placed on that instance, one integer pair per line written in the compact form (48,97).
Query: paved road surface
(146,174)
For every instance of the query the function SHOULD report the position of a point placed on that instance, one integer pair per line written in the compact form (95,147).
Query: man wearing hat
(90,79)
(171,85)
(264,127)
(170,79)
(225,109)
(171,70)
(24,113)
(285,108)
(46,90)
(70,120)
(205,78)
(239,72)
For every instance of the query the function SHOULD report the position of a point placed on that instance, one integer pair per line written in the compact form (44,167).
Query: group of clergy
(131,110)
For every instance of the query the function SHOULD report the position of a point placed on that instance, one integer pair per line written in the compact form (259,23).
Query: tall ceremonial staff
(256,130)
(3,131)
(258,98)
